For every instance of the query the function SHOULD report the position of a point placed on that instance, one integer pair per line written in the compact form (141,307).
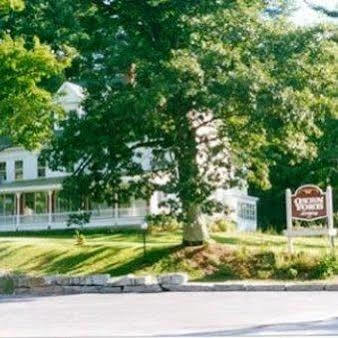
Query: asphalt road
(171,314)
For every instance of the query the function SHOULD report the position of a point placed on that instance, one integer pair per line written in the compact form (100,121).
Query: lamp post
(144,227)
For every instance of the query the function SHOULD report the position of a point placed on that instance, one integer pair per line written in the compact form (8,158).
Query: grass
(233,256)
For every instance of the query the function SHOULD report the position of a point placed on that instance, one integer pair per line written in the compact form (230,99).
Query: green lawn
(122,252)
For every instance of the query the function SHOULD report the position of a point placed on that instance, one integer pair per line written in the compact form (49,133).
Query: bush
(79,238)
(79,219)
(325,268)
(162,223)
(222,225)
(265,264)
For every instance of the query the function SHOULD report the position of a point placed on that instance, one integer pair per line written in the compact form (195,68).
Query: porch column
(50,207)
(18,208)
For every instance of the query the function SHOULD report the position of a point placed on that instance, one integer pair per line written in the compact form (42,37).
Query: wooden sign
(309,203)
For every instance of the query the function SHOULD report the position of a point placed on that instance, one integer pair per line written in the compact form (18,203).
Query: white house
(30,199)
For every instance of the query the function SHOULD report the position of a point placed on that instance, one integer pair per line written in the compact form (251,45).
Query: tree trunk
(195,234)
(195,229)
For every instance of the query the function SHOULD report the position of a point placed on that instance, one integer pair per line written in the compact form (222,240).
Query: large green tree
(27,110)
(285,173)
(212,89)
(64,22)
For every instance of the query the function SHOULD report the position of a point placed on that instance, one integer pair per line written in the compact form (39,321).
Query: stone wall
(177,282)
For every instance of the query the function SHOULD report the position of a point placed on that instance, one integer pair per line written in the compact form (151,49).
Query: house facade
(30,192)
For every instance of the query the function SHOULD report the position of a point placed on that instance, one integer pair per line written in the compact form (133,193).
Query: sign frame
(322,194)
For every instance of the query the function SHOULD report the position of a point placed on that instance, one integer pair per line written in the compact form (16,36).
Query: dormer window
(3,171)
(41,167)
(18,170)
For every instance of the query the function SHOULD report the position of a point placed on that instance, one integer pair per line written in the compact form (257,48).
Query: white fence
(98,218)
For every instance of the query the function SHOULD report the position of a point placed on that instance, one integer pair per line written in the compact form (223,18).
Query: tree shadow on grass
(61,262)
(69,263)
(8,250)
(141,262)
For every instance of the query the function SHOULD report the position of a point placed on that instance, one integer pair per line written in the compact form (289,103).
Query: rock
(121,280)
(111,289)
(229,287)
(143,288)
(131,280)
(305,287)
(21,291)
(51,280)
(266,287)
(46,290)
(173,278)
(331,287)
(144,280)
(72,289)
(57,280)
(190,287)
(24,281)
(99,280)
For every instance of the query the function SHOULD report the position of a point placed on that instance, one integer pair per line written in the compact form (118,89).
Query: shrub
(6,285)
(325,268)
(162,223)
(222,225)
(218,261)
(79,238)
(304,266)
(78,219)
(270,230)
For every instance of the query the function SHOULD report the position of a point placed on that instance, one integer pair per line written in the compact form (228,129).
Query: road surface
(171,314)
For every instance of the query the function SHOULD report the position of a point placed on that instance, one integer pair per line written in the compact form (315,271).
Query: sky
(307,16)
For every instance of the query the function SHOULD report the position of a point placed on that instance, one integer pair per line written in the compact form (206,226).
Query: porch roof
(39,184)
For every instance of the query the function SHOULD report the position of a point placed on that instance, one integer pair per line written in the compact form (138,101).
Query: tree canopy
(27,110)
(206,91)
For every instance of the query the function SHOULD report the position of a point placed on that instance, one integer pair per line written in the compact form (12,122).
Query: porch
(37,205)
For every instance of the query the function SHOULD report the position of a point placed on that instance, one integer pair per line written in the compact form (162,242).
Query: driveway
(171,314)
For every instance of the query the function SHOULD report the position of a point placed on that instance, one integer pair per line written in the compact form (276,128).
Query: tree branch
(330,13)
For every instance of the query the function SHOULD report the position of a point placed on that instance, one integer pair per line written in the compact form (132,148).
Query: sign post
(289,217)
(309,203)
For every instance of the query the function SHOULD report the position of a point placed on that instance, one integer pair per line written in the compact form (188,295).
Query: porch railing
(99,218)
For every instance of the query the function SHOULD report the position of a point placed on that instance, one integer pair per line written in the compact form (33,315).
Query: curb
(188,287)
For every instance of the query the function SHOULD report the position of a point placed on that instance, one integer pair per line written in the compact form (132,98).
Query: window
(247,210)
(18,170)
(41,167)
(3,173)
